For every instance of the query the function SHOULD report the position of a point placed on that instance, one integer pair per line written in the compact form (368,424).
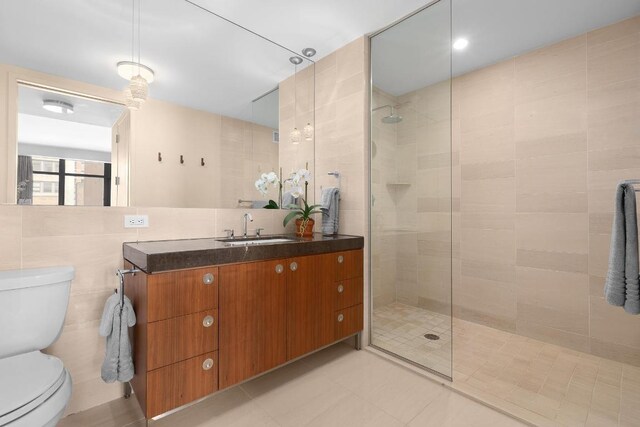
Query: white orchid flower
(272,178)
(261,186)
(296,191)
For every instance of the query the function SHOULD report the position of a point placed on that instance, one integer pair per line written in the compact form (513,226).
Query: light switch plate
(136,221)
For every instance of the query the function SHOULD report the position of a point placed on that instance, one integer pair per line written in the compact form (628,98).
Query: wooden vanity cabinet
(205,329)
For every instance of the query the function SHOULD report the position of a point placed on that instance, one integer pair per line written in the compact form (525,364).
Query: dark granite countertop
(164,255)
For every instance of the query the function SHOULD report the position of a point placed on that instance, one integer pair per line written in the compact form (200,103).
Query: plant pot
(304,229)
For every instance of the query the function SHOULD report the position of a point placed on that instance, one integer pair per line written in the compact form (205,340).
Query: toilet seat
(29,381)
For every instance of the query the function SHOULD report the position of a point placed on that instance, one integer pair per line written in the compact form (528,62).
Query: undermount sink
(245,241)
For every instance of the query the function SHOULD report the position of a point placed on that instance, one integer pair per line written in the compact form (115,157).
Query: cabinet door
(348,264)
(310,303)
(177,293)
(181,338)
(178,384)
(252,327)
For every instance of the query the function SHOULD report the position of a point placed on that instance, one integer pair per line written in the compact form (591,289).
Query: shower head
(391,118)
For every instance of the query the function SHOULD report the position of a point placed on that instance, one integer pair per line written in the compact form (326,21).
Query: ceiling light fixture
(460,44)
(139,75)
(59,107)
(308,52)
(308,132)
(128,69)
(295,134)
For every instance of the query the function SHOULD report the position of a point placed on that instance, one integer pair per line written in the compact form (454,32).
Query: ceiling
(88,128)
(417,52)
(204,62)
(86,111)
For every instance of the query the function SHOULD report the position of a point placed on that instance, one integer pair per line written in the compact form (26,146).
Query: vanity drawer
(180,338)
(348,293)
(178,384)
(348,264)
(348,321)
(177,293)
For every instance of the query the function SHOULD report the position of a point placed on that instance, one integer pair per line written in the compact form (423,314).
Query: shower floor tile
(542,383)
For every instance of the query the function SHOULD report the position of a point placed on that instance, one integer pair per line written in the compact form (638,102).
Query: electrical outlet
(136,221)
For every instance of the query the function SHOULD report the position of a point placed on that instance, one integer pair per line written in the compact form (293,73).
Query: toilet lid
(26,380)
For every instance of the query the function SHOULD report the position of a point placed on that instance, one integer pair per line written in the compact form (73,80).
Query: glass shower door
(411,200)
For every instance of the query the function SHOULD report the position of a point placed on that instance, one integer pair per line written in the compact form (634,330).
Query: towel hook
(338,176)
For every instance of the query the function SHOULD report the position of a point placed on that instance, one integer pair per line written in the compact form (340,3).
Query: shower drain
(432,337)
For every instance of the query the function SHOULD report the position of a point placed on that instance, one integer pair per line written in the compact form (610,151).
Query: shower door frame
(370,228)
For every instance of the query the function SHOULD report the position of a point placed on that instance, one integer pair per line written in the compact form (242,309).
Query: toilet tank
(33,304)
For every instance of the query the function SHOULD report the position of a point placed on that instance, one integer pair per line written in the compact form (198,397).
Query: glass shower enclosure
(411,189)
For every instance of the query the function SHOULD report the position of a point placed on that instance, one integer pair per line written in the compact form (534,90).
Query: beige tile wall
(90,239)
(235,152)
(342,137)
(544,138)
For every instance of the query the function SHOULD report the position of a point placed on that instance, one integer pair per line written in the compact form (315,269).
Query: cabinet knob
(340,289)
(279,268)
(340,259)
(207,321)
(340,317)
(207,364)
(207,279)
(293,266)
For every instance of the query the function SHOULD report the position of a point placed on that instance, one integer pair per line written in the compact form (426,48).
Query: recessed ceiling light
(460,44)
(59,107)
(129,69)
(295,60)
(308,52)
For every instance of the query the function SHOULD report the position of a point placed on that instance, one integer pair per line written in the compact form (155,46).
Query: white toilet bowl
(35,388)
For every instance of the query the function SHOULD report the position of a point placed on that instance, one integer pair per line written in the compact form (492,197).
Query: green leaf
(289,217)
(272,205)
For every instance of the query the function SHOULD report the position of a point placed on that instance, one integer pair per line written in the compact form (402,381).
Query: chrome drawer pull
(340,259)
(340,317)
(207,321)
(340,289)
(207,279)
(293,266)
(279,268)
(207,364)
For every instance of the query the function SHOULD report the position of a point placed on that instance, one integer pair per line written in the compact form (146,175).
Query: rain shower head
(391,118)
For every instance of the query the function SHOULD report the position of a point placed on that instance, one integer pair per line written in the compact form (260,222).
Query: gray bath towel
(330,203)
(622,287)
(115,324)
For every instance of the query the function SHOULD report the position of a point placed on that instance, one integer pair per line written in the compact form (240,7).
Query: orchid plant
(301,175)
(262,185)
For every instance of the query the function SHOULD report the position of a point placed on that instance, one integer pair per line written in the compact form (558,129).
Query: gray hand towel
(622,287)
(116,319)
(330,207)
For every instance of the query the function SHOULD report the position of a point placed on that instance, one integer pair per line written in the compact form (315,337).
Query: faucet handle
(229,233)
(258,231)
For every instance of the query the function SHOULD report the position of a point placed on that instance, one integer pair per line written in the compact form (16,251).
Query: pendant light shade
(308,132)
(294,136)
(139,88)
(129,102)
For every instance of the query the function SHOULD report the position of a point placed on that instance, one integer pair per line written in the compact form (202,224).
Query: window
(71,182)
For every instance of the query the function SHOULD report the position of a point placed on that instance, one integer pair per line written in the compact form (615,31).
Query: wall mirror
(228,116)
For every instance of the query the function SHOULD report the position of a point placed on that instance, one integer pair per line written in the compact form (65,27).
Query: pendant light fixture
(138,90)
(295,134)
(308,132)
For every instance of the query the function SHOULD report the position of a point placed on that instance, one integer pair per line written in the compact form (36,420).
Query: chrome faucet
(245,217)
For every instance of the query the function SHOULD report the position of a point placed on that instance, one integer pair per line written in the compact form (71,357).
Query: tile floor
(335,387)
(542,383)
(400,329)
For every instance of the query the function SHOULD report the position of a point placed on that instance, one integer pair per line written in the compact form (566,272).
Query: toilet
(35,388)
